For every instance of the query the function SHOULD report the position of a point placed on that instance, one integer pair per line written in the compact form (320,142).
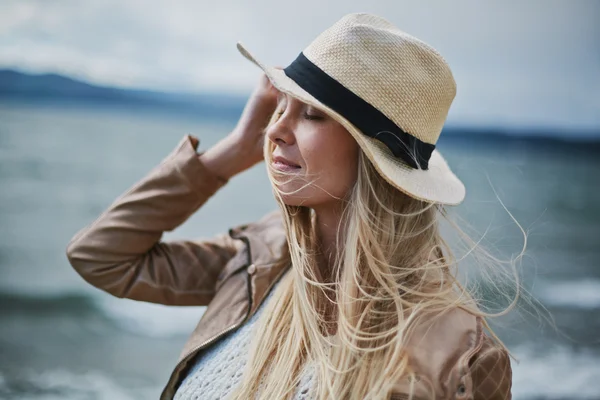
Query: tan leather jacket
(121,253)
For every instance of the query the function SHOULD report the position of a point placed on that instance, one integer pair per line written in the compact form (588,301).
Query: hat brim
(437,184)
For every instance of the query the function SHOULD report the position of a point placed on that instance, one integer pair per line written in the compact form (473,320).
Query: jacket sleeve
(491,373)
(121,252)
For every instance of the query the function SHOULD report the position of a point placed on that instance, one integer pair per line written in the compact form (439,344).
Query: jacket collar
(266,254)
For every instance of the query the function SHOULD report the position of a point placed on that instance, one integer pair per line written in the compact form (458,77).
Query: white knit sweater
(219,369)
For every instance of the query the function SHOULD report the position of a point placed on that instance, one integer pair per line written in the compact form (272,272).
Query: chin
(295,200)
(290,197)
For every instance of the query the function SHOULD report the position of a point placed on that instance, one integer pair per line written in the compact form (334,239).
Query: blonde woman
(348,290)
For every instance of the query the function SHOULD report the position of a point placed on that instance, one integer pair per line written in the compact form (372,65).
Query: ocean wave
(48,304)
(139,318)
(153,320)
(560,373)
(66,385)
(583,294)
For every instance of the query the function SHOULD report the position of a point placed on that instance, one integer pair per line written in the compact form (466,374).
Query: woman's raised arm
(121,252)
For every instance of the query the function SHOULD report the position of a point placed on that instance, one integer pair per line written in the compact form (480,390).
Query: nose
(281,132)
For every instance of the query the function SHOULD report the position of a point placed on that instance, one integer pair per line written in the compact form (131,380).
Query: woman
(349,290)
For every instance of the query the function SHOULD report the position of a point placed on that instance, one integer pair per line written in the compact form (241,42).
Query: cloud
(534,62)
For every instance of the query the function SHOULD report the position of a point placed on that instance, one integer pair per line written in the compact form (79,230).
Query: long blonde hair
(392,264)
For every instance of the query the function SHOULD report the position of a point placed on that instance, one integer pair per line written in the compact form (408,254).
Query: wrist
(226,158)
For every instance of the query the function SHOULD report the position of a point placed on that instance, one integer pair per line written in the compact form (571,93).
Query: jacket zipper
(196,349)
(232,327)
(208,342)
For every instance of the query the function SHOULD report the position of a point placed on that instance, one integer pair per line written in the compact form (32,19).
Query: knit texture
(219,369)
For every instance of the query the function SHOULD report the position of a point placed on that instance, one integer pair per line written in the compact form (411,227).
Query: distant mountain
(52,85)
(19,86)
(61,90)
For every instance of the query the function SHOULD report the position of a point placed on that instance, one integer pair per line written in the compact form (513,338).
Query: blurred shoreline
(57,91)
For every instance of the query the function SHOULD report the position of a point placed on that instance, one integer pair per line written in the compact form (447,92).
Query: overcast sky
(534,62)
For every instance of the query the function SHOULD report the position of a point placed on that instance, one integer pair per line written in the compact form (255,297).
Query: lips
(284,164)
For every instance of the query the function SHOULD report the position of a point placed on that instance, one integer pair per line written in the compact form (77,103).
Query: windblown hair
(393,266)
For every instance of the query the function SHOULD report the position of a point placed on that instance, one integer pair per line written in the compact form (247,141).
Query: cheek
(332,156)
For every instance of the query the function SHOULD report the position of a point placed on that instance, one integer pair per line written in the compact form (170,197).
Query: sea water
(60,167)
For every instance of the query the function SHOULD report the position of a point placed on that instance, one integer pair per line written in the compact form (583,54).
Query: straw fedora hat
(390,90)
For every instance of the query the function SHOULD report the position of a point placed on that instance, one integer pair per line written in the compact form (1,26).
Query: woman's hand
(243,147)
(249,131)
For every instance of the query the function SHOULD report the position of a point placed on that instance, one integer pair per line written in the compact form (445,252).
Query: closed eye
(313,117)
(306,116)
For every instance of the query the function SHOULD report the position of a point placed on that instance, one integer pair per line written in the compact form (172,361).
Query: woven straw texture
(403,77)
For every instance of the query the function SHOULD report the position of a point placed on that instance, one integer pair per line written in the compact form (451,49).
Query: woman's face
(316,157)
